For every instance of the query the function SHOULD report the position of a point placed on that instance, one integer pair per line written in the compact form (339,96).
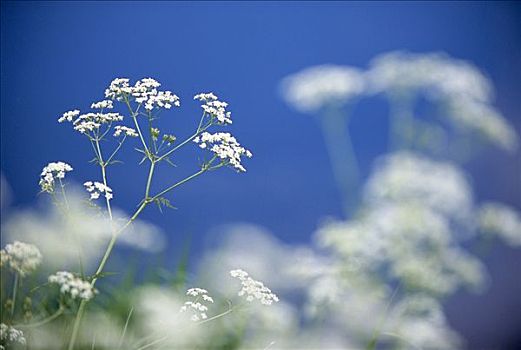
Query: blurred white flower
(411,177)
(500,219)
(22,258)
(73,286)
(105,104)
(10,335)
(82,232)
(485,120)
(316,87)
(435,74)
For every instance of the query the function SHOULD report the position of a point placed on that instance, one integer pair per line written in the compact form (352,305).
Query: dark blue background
(58,56)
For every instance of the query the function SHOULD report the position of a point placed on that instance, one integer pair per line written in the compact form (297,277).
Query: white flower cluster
(9,334)
(96,188)
(105,104)
(69,116)
(92,121)
(315,87)
(144,91)
(20,257)
(215,108)
(119,129)
(434,73)
(484,119)
(459,85)
(224,146)
(197,306)
(53,170)
(253,289)
(411,177)
(72,285)
(502,220)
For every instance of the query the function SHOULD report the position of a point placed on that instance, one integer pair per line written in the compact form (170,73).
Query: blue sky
(58,56)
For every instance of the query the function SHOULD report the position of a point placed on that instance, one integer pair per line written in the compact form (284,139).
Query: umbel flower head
(53,171)
(96,188)
(225,147)
(73,286)
(214,108)
(197,305)
(252,289)
(20,257)
(10,335)
(145,91)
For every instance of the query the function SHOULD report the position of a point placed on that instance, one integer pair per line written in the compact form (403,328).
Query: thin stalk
(199,130)
(51,318)
(401,122)
(125,328)
(101,266)
(335,128)
(15,290)
(63,194)
(149,180)
(178,184)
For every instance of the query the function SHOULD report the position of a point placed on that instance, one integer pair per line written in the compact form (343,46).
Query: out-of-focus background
(58,56)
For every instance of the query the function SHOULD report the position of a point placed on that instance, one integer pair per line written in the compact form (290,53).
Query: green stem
(199,130)
(51,318)
(149,180)
(101,266)
(15,290)
(178,184)
(335,128)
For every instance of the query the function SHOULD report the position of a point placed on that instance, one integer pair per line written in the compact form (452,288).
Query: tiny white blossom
(92,121)
(51,172)
(69,116)
(96,188)
(215,108)
(252,289)
(9,334)
(224,146)
(21,257)
(105,104)
(73,286)
(125,130)
(144,91)
(197,305)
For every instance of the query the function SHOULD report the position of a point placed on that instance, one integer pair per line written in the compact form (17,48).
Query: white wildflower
(92,121)
(502,220)
(21,257)
(69,116)
(105,104)
(316,87)
(118,88)
(224,146)
(73,286)
(411,177)
(9,334)
(435,74)
(252,289)
(215,108)
(96,188)
(51,172)
(125,130)
(485,120)
(144,91)
(197,305)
